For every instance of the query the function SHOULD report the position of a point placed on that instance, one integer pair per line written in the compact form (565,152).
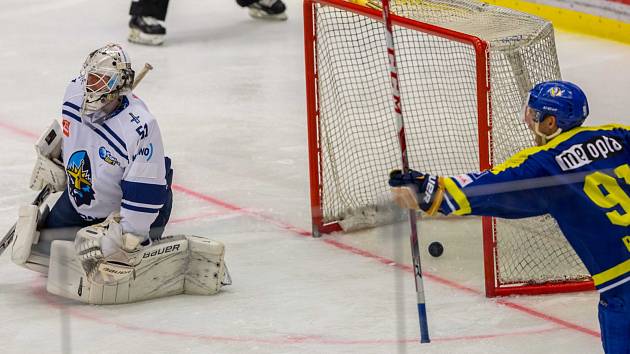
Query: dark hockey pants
(158,8)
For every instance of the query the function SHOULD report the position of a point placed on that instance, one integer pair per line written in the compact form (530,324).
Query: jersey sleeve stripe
(144,193)
(459,197)
(612,273)
(140,209)
(449,203)
(72,105)
(606,287)
(142,205)
(111,132)
(116,148)
(71,115)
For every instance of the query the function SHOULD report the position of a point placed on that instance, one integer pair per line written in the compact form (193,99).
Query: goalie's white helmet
(106,75)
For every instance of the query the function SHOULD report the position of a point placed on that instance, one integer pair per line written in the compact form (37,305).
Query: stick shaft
(143,72)
(415,254)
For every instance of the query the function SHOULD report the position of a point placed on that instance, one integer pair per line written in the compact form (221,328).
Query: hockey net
(464,70)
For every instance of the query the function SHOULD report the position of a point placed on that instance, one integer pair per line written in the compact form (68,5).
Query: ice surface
(228,92)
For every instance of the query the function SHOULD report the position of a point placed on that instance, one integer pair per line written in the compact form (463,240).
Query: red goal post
(311,86)
(345,74)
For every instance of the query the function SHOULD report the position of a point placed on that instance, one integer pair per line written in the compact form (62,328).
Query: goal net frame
(484,123)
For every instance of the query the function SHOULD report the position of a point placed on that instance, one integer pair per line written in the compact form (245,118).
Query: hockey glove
(48,172)
(415,190)
(107,255)
(48,168)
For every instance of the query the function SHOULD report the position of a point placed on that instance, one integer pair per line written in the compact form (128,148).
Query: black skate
(268,10)
(146,30)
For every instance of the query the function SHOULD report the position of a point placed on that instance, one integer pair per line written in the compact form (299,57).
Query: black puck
(436,249)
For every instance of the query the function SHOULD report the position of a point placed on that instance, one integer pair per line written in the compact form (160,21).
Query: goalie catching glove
(107,255)
(415,190)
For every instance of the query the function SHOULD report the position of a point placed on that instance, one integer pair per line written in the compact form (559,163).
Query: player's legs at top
(146,25)
(147,17)
(265,9)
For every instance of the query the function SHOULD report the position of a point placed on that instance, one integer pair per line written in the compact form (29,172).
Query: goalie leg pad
(26,235)
(31,245)
(65,276)
(207,271)
(161,270)
(174,265)
(160,273)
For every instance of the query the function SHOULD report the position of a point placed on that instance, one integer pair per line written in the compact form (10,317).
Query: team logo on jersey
(146,152)
(134,118)
(80,178)
(66,127)
(595,149)
(107,156)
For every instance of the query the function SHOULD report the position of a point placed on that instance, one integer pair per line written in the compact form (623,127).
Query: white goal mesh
(440,80)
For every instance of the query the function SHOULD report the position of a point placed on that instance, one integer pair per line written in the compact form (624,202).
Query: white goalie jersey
(116,164)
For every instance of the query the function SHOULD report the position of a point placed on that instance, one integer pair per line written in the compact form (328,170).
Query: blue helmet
(562,99)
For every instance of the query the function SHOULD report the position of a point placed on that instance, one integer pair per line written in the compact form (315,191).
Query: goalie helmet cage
(464,70)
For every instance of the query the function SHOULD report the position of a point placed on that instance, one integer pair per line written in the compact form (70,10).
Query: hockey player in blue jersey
(108,160)
(579,175)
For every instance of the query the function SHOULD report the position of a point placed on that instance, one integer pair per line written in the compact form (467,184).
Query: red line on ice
(196,217)
(18,131)
(44,296)
(386,261)
(83,312)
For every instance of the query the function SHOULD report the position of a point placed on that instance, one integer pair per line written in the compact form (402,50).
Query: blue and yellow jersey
(581,178)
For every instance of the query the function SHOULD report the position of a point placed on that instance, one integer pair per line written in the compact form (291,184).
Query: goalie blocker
(174,265)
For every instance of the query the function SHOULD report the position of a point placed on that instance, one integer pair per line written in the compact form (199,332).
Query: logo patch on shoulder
(146,152)
(107,156)
(463,180)
(66,127)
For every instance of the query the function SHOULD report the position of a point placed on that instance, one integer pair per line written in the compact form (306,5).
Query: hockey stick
(415,253)
(6,240)
(143,72)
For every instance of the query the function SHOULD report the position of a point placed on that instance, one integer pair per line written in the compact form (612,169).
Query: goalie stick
(39,200)
(143,72)
(415,253)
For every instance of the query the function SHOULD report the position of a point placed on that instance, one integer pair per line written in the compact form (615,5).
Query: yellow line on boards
(571,20)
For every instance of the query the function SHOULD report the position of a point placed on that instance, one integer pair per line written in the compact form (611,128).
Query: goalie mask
(106,75)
